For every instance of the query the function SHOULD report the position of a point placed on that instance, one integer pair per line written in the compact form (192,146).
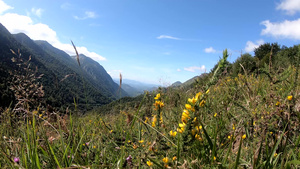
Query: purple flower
(129,159)
(16,159)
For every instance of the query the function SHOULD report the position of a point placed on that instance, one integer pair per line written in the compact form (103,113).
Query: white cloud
(65,6)
(87,15)
(286,29)
(250,46)
(16,23)
(37,12)
(4,7)
(167,37)
(195,68)
(209,50)
(290,6)
(178,70)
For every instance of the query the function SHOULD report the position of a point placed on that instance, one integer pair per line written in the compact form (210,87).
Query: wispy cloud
(286,29)
(195,68)
(250,46)
(290,6)
(210,50)
(178,70)
(167,37)
(37,12)
(40,31)
(4,7)
(65,6)
(87,15)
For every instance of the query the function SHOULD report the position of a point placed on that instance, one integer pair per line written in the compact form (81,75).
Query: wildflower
(174,158)
(207,91)
(198,95)
(215,158)
(185,116)
(134,146)
(146,120)
(244,136)
(271,132)
(87,143)
(193,132)
(290,97)
(157,96)
(149,163)
(275,154)
(40,115)
(192,100)
(197,136)
(202,103)
(16,159)
(188,106)
(229,137)
(154,120)
(94,147)
(233,127)
(141,141)
(277,104)
(254,123)
(129,160)
(173,134)
(111,131)
(165,160)
(215,114)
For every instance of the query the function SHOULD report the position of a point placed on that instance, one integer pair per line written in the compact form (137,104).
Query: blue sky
(155,41)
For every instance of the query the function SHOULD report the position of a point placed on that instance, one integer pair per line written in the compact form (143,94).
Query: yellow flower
(275,154)
(154,120)
(202,103)
(193,132)
(233,127)
(94,147)
(198,95)
(146,119)
(180,130)
(134,146)
(165,160)
(290,97)
(173,134)
(174,158)
(141,141)
(207,91)
(197,136)
(277,104)
(215,114)
(229,137)
(188,106)
(215,158)
(244,136)
(149,163)
(192,100)
(157,96)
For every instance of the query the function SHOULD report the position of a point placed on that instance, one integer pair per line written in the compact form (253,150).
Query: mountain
(63,79)
(176,84)
(134,88)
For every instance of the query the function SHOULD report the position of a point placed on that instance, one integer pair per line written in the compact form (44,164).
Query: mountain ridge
(63,80)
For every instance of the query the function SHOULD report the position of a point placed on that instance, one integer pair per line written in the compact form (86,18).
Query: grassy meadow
(246,121)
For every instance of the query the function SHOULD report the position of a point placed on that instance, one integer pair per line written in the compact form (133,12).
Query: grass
(248,121)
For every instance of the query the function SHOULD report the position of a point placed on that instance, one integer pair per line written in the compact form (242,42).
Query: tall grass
(248,121)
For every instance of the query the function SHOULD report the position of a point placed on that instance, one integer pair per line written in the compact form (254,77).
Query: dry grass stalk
(76,53)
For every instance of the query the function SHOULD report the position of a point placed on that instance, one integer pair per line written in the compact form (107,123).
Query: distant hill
(175,84)
(134,88)
(63,79)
